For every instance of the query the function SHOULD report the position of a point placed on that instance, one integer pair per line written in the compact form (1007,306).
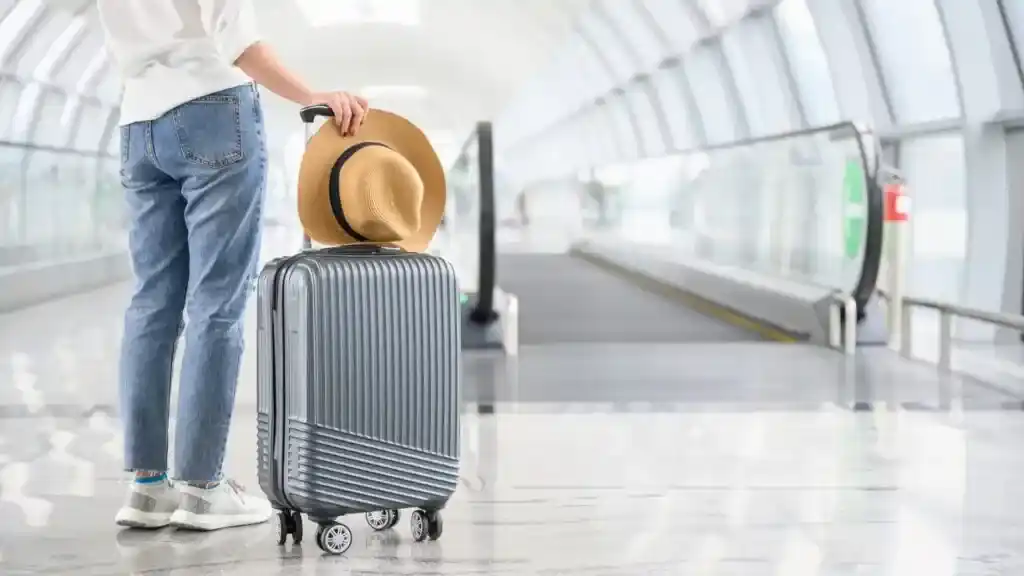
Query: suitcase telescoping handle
(308,115)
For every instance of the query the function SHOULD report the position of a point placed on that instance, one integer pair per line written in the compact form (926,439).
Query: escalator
(566,299)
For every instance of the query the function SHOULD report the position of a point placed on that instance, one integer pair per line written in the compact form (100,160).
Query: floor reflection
(735,493)
(597,460)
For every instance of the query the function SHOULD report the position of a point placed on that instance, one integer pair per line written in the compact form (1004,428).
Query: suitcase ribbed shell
(369,354)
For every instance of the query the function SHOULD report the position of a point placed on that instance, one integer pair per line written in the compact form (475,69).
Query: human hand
(349,110)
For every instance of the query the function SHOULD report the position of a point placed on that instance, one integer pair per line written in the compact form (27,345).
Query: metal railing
(842,335)
(947,312)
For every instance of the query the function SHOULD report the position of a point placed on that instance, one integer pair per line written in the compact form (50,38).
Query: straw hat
(385,185)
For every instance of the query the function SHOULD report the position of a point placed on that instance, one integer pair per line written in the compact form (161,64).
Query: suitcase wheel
(296,527)
(288,523)
(381,520)
(426,525)
(334,538)
(281,528)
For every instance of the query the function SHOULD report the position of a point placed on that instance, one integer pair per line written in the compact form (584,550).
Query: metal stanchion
(897,214)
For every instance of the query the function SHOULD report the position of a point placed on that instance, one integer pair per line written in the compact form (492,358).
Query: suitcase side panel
(267,346)
(373,421)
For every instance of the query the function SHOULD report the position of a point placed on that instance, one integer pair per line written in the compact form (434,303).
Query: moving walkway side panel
(864,288)
(861,284)
(565,299)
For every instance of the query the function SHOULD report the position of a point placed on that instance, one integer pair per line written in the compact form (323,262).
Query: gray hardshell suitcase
(358,393)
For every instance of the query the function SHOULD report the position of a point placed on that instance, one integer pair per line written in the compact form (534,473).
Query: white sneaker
(223,506)
(148,505)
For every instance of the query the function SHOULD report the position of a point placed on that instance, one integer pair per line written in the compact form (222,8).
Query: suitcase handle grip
(363,249)
(310,113)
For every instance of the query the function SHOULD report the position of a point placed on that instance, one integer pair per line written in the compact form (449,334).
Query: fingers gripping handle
(310,113)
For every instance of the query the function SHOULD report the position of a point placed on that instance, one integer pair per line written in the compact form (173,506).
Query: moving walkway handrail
(947,312)
(875,217)
(483,137)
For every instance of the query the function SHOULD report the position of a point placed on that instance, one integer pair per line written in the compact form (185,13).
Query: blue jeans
(194,180)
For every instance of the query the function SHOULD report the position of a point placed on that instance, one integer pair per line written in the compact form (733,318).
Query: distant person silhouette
(194,171)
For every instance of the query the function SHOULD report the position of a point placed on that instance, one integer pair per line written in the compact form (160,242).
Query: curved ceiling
(454,63)
(459,64)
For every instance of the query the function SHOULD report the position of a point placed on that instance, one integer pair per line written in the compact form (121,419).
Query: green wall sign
(855,209)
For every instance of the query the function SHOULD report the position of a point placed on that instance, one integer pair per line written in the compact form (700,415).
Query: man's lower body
(194,180)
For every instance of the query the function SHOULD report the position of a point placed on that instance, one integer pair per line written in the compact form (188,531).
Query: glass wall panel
(1015,14)
(629,16)
(640,103)
(48,130)
(669,86)
(565,83)
(109,206)
(808,61)
(604,79)
(10,93)
(57,52)
(58,204)
(677,23)
(91,124)
(589,142)
(610,46)
(750,48)
(721,13)
(38,40)
(599,130)
(569,140)
(12,204)
(934,169)
(114,145)
(785,208)
(80,59)
(915,59)
(704,68)
(108,89)
(69,115)
(622,125)
(23,115)
(14,24)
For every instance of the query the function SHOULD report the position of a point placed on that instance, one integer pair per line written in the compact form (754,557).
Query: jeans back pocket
(209,129)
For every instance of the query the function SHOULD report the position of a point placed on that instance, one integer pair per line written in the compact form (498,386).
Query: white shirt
(171,51)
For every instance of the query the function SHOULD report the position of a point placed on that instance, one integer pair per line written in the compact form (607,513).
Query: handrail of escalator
(864,289)
(481,141)
(484,311)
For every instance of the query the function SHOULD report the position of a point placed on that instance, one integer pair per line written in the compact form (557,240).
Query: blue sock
(151,479)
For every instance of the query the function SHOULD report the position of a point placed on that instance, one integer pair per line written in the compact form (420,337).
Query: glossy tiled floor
(594,459)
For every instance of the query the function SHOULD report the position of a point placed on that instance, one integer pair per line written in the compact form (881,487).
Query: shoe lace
(235,485)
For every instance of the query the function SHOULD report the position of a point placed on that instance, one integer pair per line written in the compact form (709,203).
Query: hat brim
(324,148)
